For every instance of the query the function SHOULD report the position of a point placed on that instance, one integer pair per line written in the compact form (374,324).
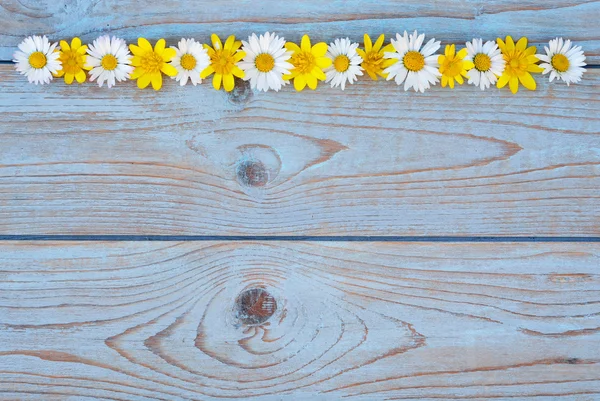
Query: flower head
(109,60)
(453,66)
(346,63)
(150,63)
(266,61)
(372,55)
(309,62)
(520,62)
(37,60)
(189,61)
(416,67)
(563,61)
(488,63)
(223,62)
(73,59)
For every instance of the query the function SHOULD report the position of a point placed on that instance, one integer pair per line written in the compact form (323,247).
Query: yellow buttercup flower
(73,59)
(453,66)
(151,63)
(223,62)
(372,55)
(520,61)
(309,62)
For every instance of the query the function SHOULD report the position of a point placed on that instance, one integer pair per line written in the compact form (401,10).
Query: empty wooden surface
(159,320)
(373,160)
(451,21)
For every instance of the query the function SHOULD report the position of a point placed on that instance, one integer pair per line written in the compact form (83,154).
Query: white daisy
(266,61)
(190,59)
(415,67)
(109,60)
(346,63)
(488,60)
(37,60)
(563,61)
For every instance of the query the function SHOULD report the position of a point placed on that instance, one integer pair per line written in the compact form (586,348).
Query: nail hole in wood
(255,306)
(252,173)
(241,93)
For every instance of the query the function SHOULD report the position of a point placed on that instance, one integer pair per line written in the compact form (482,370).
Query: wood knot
(255,306)
(252,173)
(241,93)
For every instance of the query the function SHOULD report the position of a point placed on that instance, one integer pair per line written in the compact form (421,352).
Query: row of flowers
(269,62)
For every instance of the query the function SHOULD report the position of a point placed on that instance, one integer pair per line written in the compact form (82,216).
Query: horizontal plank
(373,160)
(320,321)
(455,22)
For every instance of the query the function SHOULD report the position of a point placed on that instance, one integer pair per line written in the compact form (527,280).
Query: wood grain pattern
(453,21)
(374,160)
(156,320)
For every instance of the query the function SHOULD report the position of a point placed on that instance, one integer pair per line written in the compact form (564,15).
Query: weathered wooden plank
(165,321)
(374,160)
(451,21)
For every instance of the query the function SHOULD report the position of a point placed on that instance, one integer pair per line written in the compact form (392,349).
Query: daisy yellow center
(454,67)
(223,61)
(109,62)
(264,62)
(304,62)
(188,62)
(37,60)
(516,63)
(482,62)
(560,62)
(72,61)
(152,62)
(413,61)
(341,63)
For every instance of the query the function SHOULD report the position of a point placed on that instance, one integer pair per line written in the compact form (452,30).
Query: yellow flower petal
(82,49)
(462,53)
(216,42)
(64,46)
(449,51)
(80,76)
(136,50)
(229,42)
(217,81)
(502,81)
(293,47)
(527,81)
(311,81)
(521,44)
(59,74)
(530,51)
(467,65)
(138,72)
(144,45)
(501,44)
(361,53)
(305,44)
(379,43)
(444,81)
(459,79)
(236,71)
(69,78)
(207,71)
(75,43)
(159,47)
(451,82)
(144,81)
(228,82)
(236,45)
(323,62)
(534,68)
(510,44)
(318,74)
(513,83)
(157,81)
(368,43)
(319,50)
(239,55)
(169,70)
(168,54)
(299,83)
(136,61)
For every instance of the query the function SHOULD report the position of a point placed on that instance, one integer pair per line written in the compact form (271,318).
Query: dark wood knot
(255,306)
(241,93)
(252,173)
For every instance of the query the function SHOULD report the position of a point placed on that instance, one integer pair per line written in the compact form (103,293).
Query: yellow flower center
(37,60)
(413,61)
(223,61)
(454,67)
(109,62)
(516,63)
(560,62)
(72,61)
(341,63)
(482,62)
(188,62)
(264,62)
(304,62)
(152,62)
